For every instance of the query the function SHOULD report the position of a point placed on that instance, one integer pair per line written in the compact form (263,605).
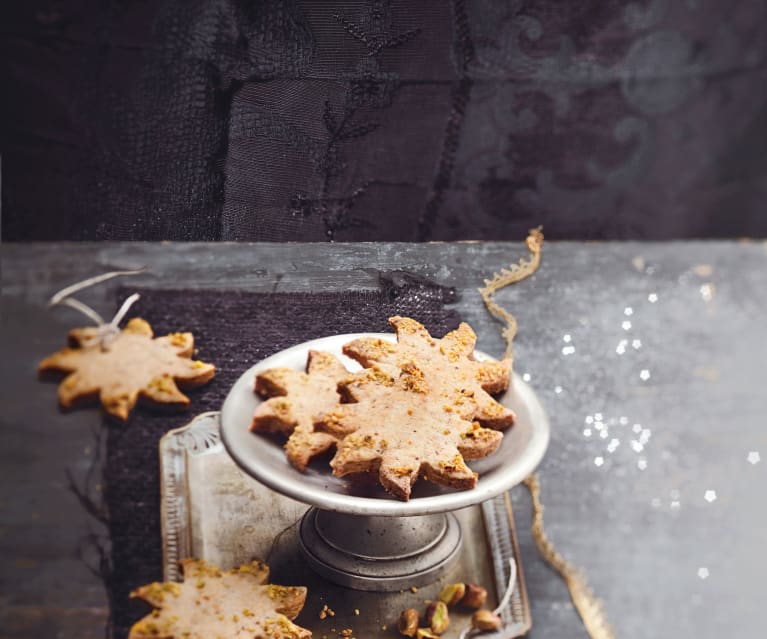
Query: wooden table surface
(650,359)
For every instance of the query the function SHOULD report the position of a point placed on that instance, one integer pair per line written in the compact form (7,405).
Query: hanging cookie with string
(120,366)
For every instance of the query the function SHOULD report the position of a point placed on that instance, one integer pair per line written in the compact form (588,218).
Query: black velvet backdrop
(382,119)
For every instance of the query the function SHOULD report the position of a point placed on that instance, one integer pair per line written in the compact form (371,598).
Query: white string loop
(105,331)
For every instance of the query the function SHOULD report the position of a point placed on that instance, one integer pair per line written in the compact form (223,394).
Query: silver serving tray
(211,510)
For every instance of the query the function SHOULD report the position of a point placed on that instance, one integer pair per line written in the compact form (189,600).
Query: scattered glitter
(587,432)
(636,344)
(675,504)
(598,416)
(710,496)
(599,425)
(613,445)
(624,420)
(589,419)
(598,461)
(652,298)
(604,434)
(707,292)
(557,389)
(655,503)
(703,572)
(641,463)
(567,338)
(644,436)
(568,350)
(626,325)
(637,428)
(638,447)
(753,457)
(628,311)
(621,348)
(644,374)
(526,377)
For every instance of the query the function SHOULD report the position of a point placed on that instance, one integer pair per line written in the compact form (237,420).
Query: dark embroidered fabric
(234,330)
(383,119)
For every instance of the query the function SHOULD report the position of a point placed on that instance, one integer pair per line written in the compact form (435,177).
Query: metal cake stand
(362,538)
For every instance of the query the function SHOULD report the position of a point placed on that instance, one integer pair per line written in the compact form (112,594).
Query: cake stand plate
(364,538)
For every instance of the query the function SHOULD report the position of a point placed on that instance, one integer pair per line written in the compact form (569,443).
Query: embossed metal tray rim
(202,437)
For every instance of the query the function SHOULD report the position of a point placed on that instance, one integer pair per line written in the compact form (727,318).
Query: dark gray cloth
(383,119)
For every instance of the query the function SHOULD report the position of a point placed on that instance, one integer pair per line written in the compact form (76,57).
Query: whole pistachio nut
(436,617)
(485,620)
(452,594)
(474,597)
(407,624)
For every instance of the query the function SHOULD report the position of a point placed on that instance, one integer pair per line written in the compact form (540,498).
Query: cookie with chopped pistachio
(296,399)
(400,428)
(220,603)
(130,366)
(450,372)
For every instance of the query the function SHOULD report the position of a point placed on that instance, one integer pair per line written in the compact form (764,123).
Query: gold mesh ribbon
(589,607)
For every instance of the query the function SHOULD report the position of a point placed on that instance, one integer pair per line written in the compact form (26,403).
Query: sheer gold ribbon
(589,607)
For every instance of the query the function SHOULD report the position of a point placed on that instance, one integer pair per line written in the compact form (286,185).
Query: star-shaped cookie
(447,365)
(399,428)
(296,401)
(213,603)
(132,365)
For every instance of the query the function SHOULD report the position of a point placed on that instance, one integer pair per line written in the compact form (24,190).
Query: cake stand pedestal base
(379,553)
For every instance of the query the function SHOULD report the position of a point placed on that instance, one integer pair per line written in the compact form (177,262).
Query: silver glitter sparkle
(628,311)
(557,389)
(636,446)
(587,432)
(598,417)
(636,344)
(589,419)
(703,572)
(526,377)
(598,461)
(623,420)
(644,436)
(568,350)
(675,504)
(626,325)
(753,457)
(707,292)
(642,463)
(652,298)
(644,374)
(604,434)
(567,338)
(613,445)
(710,496)
(637,428)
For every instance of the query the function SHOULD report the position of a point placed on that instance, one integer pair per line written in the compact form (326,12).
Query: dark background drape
(382,119)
